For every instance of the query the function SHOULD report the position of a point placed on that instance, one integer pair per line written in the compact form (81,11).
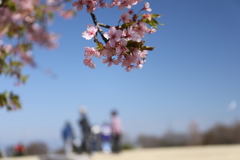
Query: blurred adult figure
(116,132)
(86,131)
(106,137)
(68,136)
(19,150)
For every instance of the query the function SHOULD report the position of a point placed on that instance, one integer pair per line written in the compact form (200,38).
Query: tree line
(217,134)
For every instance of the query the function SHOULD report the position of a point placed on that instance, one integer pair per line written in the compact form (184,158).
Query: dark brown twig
(100,31)
(104,25)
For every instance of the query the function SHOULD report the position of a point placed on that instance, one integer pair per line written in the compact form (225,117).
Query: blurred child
(106,137)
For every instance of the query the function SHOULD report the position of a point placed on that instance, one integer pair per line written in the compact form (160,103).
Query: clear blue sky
(193,74)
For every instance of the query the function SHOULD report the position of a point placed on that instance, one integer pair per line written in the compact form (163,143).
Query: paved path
(50,157)
(62,157)
(225,152)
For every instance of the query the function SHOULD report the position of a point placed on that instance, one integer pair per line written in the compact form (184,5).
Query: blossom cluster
(23,24)
(92,5)
(123,43)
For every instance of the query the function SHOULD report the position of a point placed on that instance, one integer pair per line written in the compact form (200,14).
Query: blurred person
(86,131)
(106,137)
(1,155)
(116,132)
(68,137)
(95,138)
(19,150)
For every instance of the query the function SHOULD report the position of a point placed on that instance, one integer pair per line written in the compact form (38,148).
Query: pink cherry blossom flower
(139,64)
(123,5)
(121,46)
(91,51)
(130,11)
(78,4)
(113,35)
(151,30)
(141,29)
(118,60)
(88,62)
(27,58)
(129,68)
(91,5)
(102,4)
(132,2)
(147,7)
(125,17)
(127,61)
(130,34)
(16,17)
(66,14)
(29,19)
(147,16)
(115,3)
(143,54)
(109,52)
(7,48)
(27,5)
(90,33)
(108,60)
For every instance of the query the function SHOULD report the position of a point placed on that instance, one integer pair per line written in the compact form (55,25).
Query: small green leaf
(24,79)
(155,15)
(50,15)
(11,6)
(148,48)
(126,25)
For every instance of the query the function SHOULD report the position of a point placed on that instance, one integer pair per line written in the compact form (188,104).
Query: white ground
(224,152)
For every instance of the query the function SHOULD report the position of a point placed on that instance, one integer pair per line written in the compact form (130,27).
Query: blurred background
(187,93)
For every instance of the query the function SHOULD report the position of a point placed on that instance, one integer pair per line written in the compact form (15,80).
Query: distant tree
(195,136)
(174,139)
(222,134)
(147,141)
(236,131)
(36,148)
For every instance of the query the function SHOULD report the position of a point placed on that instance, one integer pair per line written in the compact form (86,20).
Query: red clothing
(19,148)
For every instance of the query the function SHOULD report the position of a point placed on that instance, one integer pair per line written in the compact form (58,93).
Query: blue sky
(192,75)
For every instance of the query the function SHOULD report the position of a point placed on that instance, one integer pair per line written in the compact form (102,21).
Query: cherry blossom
(113,35)
(147,16)
(91,51)
(130,34)
(88,62)
(151,30)
(147,7)
(90,33)
(108,60)
(125,17)
(123,44)
(78,4)
(24,24)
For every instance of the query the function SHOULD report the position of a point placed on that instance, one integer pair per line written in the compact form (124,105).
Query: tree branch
(104,25)
(98,26)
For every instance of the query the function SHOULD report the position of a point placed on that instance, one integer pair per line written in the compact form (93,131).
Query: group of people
(94,138)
